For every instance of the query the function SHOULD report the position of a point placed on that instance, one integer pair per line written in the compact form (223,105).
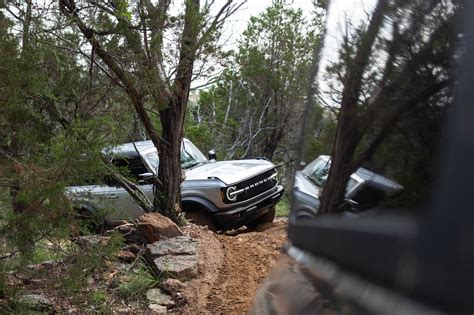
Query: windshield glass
(351,184)
(190,156)
(317,171)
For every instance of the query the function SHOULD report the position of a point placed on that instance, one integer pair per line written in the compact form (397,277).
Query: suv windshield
(317,171)
(190,156)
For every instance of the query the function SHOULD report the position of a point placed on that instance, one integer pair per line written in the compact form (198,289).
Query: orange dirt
(232,266)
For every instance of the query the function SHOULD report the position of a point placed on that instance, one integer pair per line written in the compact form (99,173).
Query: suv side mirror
(212,155)
(145,178)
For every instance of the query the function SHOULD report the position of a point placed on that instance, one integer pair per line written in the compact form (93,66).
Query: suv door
(116,199)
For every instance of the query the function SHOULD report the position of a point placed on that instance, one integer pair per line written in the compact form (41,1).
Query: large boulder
(177,256)
(154,227)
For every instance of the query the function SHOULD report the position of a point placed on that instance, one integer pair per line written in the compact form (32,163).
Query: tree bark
(25,40)
(168,198)
(394,97)
(348,134)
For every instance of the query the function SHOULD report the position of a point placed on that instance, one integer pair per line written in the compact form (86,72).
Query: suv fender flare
(305,212)
(200,201)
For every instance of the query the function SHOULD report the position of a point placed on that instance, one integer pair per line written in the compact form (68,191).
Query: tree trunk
(167,198)
(25,40)
(339,173)
(348,133)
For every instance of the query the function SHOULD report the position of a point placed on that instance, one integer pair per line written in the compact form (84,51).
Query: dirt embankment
(232,267)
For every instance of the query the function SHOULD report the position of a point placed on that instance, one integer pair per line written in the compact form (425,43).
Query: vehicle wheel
(202,217)
(266,218)
(304,216)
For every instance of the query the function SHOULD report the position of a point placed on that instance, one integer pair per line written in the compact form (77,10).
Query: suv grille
(256,185)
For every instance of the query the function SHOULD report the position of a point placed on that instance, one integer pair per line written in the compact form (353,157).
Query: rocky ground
(232,266)
(218,273)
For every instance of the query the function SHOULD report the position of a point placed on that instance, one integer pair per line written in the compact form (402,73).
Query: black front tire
(266,218)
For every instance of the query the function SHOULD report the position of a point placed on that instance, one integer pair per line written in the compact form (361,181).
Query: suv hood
(229,172)
(306,186)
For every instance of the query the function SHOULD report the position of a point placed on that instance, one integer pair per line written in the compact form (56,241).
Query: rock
(172,286)
(89,241)
(180,299)
(134,248)
(35,301)
(48,264)
(126,256)
(183,267)
(129,232)
(156,309)
(180,245)
(160,297)
(154,226)
(177,256)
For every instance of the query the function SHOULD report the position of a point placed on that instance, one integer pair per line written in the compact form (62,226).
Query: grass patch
(136,282)
(45,252)
(283,207)
(98,303)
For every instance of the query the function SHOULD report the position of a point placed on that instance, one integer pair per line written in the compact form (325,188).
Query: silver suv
(364,191)
(234,193)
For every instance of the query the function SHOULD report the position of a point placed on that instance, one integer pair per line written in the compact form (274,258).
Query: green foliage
(97,301)
(86,262)
(136,282)
(283,207)
(51,136)
(255,104)
(122,9)
(201,135)
(48,251)
(320,134)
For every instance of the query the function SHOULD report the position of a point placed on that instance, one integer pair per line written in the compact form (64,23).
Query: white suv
(234,193)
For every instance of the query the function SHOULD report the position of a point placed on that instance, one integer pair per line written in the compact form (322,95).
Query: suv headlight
(232,193)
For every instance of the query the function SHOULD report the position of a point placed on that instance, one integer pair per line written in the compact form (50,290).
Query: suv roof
(373,179)
(130,149)
(378,181)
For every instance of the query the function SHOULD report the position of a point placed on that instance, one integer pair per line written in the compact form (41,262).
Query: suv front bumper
(239,216)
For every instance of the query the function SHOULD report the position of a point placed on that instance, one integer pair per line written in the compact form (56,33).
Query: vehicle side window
(368,197)
(133,166)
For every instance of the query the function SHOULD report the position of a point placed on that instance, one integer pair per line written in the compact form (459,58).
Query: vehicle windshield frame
(194,155)
(319,165)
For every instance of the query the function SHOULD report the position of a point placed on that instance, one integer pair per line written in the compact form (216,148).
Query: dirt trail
(232,267)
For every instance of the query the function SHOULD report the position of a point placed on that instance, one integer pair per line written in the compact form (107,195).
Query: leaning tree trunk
(348,132)
(340,171)
(167,199)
